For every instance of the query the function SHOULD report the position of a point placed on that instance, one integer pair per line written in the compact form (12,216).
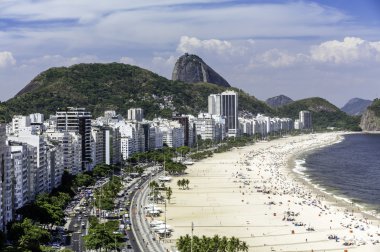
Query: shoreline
(340,200)
(226,198)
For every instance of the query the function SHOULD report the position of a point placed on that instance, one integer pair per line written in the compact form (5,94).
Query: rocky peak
(356,106)
(190,68)
(278,101)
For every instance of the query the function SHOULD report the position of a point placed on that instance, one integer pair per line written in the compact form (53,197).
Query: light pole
(165,219)
(191,243)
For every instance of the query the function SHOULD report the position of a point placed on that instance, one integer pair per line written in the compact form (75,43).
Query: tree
(28,236)
(169,193)
(103,235)
(186,182)
(179,183)
(83,179)
(216,244)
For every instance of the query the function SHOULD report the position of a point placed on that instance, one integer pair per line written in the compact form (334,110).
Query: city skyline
(297,48)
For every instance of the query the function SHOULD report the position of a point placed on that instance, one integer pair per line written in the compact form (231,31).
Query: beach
(253,193)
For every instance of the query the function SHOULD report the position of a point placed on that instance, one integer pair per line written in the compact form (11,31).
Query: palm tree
(243,246)
(169,193)
(179,183)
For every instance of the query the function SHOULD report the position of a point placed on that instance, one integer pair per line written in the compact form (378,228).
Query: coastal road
(77,243)
(140,226)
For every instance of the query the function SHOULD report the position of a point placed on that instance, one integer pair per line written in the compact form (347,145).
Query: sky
(325,48)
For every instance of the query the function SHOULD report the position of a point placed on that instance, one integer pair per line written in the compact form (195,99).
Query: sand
(253,194)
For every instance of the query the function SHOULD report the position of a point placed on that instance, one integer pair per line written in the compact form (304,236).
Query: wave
(300,166)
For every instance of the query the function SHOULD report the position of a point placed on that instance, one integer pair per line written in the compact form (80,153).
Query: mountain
(370,120)
(278,101)
(190,68)
(356,106)
(100,87)
(324,114)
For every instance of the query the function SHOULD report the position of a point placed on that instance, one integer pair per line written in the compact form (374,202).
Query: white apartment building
(210,127)
(20,168)
(5,179)
(128,139)
(55,168)
(41,171)
(173,134)
(214,104)
(20,123)
(71,146)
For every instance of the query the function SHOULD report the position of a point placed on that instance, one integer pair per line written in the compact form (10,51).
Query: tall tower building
(305,119)
(5,179)
(136,114)
(78,120)
(229,109)
(214,104)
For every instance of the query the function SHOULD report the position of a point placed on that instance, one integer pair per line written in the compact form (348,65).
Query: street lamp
(191,243)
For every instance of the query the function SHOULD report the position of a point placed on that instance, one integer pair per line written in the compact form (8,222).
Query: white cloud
(350,50)
(6,59)
(127,60)
(194,45)
(59,60)
(278,58)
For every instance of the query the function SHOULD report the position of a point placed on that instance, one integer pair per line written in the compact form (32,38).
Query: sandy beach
(253,194)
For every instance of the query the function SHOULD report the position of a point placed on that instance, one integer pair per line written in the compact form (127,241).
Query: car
(76,225)
(129,246)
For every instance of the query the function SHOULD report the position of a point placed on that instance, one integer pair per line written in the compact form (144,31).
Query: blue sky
(326,48)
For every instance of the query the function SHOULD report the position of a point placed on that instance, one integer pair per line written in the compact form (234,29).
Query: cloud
(350,50)
(127,60)
(57,60)
(194,45)
(278,58)
(6,59)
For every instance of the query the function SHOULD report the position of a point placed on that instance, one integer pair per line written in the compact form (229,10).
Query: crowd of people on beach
(267,172)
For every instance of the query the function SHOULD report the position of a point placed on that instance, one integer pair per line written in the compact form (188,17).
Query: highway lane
(140,225)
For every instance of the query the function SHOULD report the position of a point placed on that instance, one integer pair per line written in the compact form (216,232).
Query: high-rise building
(214,104)
(5,179)
(106,145)
(188,127)
(305,119)
(78,120)
(226,104)
(229,109)
(136,114)
(40,178)
(20,167)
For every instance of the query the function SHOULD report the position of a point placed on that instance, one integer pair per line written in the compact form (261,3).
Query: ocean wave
(299,167)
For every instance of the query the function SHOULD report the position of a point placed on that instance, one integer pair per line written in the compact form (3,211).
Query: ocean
(349,170)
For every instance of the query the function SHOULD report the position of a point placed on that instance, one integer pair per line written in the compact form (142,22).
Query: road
(142,233)
(77,243)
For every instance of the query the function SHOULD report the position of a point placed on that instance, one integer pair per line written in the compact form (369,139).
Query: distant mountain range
(324,114)
(278,101)
(356,106)
(115,86)
(100,87)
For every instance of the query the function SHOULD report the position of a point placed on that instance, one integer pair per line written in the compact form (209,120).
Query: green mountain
(100,87)
(324,114)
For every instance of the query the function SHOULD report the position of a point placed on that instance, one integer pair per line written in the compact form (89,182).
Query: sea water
(349,170)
